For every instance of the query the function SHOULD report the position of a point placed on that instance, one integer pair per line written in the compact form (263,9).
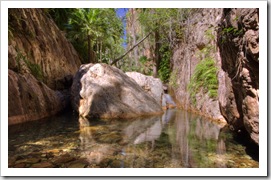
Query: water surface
(175,140)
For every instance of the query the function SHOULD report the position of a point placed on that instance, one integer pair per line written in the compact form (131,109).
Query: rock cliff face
(39,59)
(230,37)
(36,41)
(29,99)
(239,50)
(199,43)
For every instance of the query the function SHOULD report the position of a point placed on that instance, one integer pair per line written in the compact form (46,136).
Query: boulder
(153,86)
(30,99)
(103,91)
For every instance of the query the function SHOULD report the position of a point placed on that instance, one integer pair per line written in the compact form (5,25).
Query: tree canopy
(95,33)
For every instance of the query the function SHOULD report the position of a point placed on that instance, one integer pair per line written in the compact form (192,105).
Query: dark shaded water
(176,139)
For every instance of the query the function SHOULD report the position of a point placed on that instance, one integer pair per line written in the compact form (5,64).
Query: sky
(121,12)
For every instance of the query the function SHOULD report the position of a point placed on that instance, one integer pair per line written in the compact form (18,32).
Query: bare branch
(122,56)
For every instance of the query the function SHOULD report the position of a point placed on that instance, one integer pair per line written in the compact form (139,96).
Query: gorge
(71,108)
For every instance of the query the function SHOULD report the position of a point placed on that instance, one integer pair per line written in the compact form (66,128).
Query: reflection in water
(176,139)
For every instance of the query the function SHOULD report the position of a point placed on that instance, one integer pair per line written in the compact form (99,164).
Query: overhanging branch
(122,56)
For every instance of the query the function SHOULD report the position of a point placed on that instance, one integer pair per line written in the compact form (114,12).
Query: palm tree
(87,21)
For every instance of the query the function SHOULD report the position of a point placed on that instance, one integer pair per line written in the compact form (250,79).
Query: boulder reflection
(176,139)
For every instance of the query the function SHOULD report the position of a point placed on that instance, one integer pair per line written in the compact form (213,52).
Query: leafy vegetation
(204,78)
(164,70)
(35,69)
(95,33)
(173,79)
(165,28)
(229,32)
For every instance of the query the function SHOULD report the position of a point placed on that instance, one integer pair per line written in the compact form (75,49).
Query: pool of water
(175,140)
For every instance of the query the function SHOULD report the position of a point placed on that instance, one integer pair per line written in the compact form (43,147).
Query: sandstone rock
(29,99)
(80,163)
(200,43)
(100,90)
(28,161)
(43,165)
(240,60)
(62,159)
(153,86)
(37,38)
(21,165)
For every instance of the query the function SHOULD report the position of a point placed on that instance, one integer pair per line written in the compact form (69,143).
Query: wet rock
(80,163)
(20,165)
(28,161)
(62,159)
(167,102)
(43,165)
(115,164)
(111,137)
(103,91)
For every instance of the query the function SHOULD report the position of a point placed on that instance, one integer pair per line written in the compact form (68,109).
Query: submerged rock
(103,91)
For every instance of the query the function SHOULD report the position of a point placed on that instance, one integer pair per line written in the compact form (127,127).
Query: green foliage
(209,34)
(35,69)
(97,28)
(230,32)
(204,78)
(164,68)
(173,79)
(143,59)
(60,16)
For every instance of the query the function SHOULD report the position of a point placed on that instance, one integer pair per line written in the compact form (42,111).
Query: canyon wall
(35,40)
(229,38)
(41,64)
(239,49)
(232,38)
(199,42)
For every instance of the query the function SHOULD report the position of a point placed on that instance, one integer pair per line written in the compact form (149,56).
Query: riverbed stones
(43,165)
(63,159)
(103,91)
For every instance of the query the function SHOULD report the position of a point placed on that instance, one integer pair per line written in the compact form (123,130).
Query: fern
(204,78)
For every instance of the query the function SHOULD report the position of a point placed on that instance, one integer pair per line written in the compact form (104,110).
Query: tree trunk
(157,54)
(101,46)
(134,36)
(89,50)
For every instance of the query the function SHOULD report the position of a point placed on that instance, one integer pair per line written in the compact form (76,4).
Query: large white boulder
(103,91)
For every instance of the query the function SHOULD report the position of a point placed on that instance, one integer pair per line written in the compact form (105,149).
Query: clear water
(176,139)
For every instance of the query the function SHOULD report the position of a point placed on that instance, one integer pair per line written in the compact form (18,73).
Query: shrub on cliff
(204,78)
